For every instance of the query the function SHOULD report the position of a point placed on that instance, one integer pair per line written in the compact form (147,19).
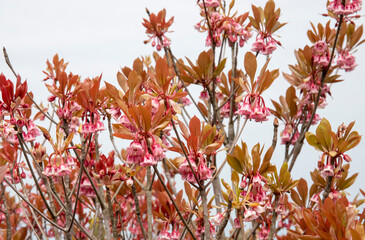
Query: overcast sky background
(102,36)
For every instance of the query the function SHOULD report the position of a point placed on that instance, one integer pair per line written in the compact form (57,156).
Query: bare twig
(112,139)
(138,210)
(327,189)
(275,136)
(6,212)
(32,206)
(273,219)
(205,213)
(22,143)
(149,203)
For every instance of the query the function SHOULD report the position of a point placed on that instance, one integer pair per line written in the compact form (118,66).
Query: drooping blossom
(349,7)
(199,166)
(346,61)
(253,107)
(264,44)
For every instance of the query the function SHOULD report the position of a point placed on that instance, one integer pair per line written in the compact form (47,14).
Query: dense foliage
(162,180)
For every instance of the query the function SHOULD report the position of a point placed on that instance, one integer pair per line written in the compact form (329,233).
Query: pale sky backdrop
(102,36)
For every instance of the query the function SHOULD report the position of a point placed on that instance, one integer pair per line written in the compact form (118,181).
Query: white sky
(102,36)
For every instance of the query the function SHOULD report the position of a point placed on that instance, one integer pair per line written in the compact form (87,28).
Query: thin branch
(7,60)
(327,189)
(273,219)
(229,98)
(223,224)
(255,225)
(189,218)
(32,212)
(173,202)
(112,139)
(32,206)
(149,203)
(116,193)
(138,210)
(6,212)
(275,136)
(22,143)
(205,214)
(228,152)
(185,154)
(299,143)
(177,72)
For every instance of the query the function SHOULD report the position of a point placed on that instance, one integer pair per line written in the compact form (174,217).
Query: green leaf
(313,141)
(348,182)
(234,163)
(235,179)
(283,170)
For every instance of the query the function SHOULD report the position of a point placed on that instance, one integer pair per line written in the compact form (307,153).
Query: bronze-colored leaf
(250,65)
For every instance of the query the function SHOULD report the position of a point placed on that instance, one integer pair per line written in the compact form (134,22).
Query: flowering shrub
(162,179)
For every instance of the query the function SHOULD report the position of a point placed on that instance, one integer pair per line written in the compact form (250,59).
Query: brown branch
(111,213)
(185,154)
(327,189)
(275,136)
(205,214)
(5,210)
(168,52)
(173,202)
(138,210)
(299,144)
(223,224)
(273,219)
(32,206)
(112,139)
(22,143)
(149,203)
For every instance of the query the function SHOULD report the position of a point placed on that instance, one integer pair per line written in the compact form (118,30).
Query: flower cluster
(16,173)
(166,235)
(222,26)
(346,61)
(57,167)
(253,107)
(264,44)
(257,194)
(287,134)
(347,7)
(138,153)
(199,165)
(200,230)
(321,54)
(8,133)
(156,28)
(209,3)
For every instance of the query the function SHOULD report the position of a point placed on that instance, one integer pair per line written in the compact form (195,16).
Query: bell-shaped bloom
(327,171)
(204,172)
(320,47)
(259,45)
(250,215)
(175,235)
(148,160)
(135,152)
(217,219)
(157,151)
